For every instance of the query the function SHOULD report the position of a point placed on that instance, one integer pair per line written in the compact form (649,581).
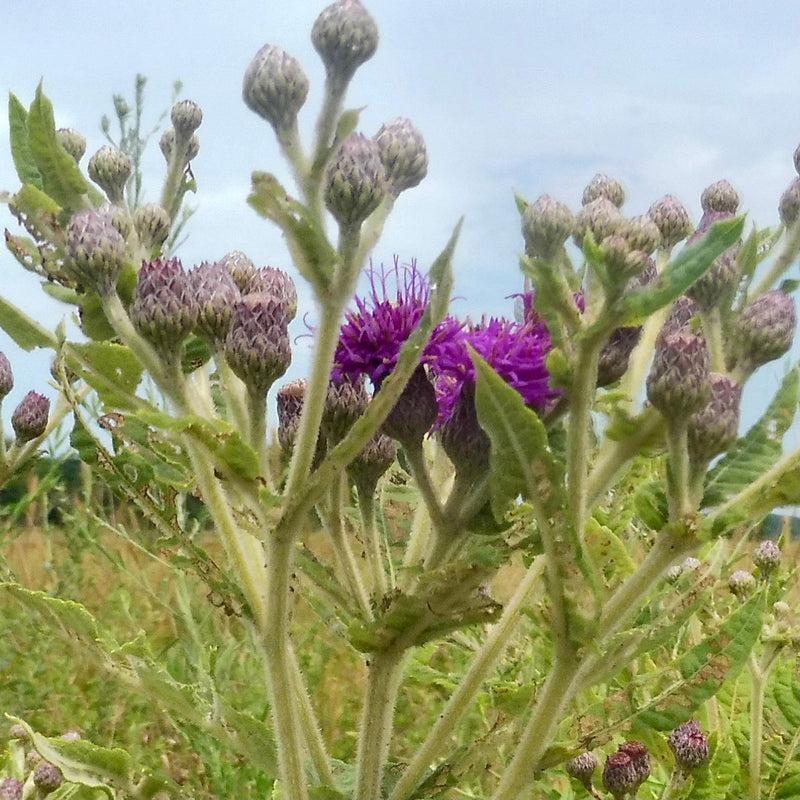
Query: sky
(519,96)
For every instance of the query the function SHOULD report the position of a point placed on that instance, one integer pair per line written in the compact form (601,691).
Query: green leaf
(32,201)
(112,370)
(786,691)
(650,502)
(61,177)
(24,161)
(682,271)
(26,332)
(747,259)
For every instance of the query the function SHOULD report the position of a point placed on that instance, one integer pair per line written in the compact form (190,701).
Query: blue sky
(519,96)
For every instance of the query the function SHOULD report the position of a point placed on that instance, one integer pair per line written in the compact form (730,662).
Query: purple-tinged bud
(10,789)
(29,419)
(671,219)
(690,563)
(71,735)
(640,759)
(345,402)
(546,225)
(797,159)
(240,266)
(642,234)
(673,573)
(96,251)
(257,347)
(289,401)
(690,745)
(152,224)
(679,381)
(603,186)
(782,610)
(601,217)
(720,196)
(6,376)
(719,282)
(72,141)
(367,467)
(619,775)
(110,169)
(789,206)
(402,151)
(163,309)
(276,284)
(465,442)
(582,768)
(741,583)
(186,118)
(765,329)
(345,35)
(215,294)
(47,777)
(715,427)
(683,310)
(767,557)
(167,143)
(17,731)
(616,353)
(355,182)
(275,87)
(414,412)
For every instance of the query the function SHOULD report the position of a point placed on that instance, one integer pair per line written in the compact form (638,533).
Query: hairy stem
(372,543)
(678,482)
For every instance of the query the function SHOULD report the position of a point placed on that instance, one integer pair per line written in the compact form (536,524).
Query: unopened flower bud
(164,310)
(240,266)
(679,380)
(797,159)
(110,169)
(47,777)
(767,557)
(152,224)
(741,583)
(345,402)
(603,186)
(782,610)
(355,181)
(642,234)
(6,376)
(275,87)
(402,151)
(215,294)
(11,789)
(168,142)
(29,419)
(72,141)
(765,329)
(616,250)
(789,206)
(601,217)
(414,412)
(619,775)
(367,467)
(289,401)
(546,225)
(71,735)
(257,347)
(715,427)
(463,439)
(277,284)
(690,745)
(616,353)
(582,768)
(720,196)
(690,563)
(640,758)
(186,118)
(683,310)
(96,251)
(719,281)
(345,35)
(17,731)
(671,219)
(673,573)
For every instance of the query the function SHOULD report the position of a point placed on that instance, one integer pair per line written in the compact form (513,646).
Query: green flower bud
(367,467)
(767,557)
(167,145)
(671,219)
(72,141)
(715,427)
(96,251)
(720,196)
(616,353)
(789,206)
(110,169)
(414,412)
(275,87)
(345,35)
(403,154)
(164,310)
(619,775)
(546,225)
(765,329)
(345,402)
(616,251)
(601,217)
(6,376)
(690,745)
(603,186)
(152,224)
(11,789)
(642,234)
(215,294)
(257,347)
(582,768)
(278,285)
(679,381)
(240,267)
(640,758)
(741,583)
(355,182)
(186,118)
(47,777)
(463,439)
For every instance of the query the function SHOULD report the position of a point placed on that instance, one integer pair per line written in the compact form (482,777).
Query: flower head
(689,744)
(29,419)
(6,376)
(275,86)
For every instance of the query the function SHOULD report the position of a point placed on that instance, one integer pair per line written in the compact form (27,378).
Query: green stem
(234,389)
(780,264)
(372,543)
(459,702)
(712,328)
(257,412)
(757,684)
(678,484)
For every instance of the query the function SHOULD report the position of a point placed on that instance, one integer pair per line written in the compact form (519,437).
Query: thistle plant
(590,447)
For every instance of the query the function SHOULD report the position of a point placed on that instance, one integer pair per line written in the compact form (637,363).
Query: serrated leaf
(786,691)
(24,162)
(26,332)
(714,779)
(61,177)
(747,258)
(31,200)
(111,369)
(607,551)
(650,503)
